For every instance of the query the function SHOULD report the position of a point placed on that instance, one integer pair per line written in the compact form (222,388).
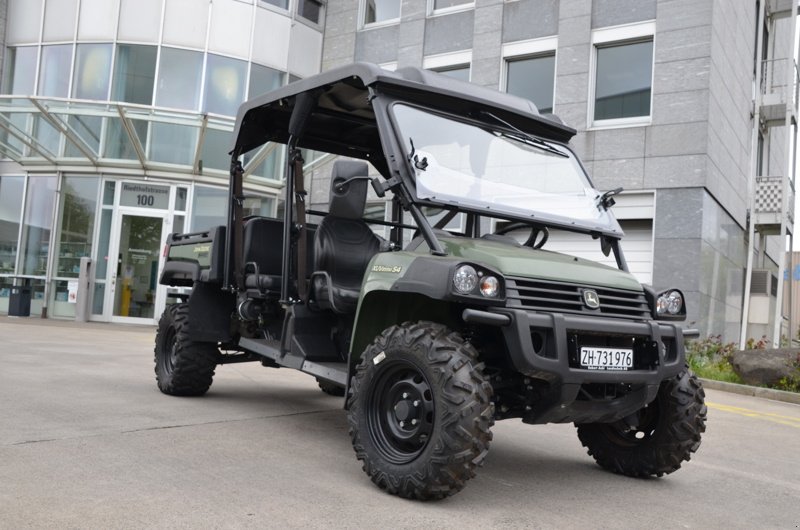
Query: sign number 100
(145,200)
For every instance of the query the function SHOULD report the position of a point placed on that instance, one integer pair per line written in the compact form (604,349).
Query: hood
(542,264)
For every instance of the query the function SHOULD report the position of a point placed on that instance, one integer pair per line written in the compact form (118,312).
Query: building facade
(114,129)
(118,113)
(662,93)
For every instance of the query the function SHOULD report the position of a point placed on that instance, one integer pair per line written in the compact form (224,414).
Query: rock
(766,367)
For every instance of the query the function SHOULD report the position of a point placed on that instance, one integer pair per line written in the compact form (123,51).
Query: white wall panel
(186,23)
(27,18)
(637,246)
(59,20)
(271,39)
(305,50)
(98,19)
(230,28)
(140,20)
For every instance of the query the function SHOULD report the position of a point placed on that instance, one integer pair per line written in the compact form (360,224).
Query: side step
(335,372)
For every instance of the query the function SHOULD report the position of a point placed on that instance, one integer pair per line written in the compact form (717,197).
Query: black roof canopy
(343,122)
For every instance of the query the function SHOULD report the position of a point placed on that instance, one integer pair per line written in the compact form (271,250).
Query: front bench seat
(343,244)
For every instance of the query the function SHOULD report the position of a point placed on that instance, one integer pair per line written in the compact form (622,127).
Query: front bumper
(545,346)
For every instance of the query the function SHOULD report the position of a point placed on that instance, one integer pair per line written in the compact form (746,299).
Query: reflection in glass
(108,192)
(101,265)
(225,79)
(137,268)
(20,74)
(11,189)
(263,206)
(216,145)
(37,223)
(92,71)
(54,70)
(134,74)
(283,4)
(460,72)
(97,298)
(179,79)
(263,79)
(309,10)
(173,144)
(381,10)
(78,207)
(88,129)
(532,78)
(443,4)
(180,199)
(624,75)
(209,209)
(272,166)
(46,135)
(118,143)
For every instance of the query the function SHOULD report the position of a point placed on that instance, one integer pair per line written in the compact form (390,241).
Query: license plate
(606,358)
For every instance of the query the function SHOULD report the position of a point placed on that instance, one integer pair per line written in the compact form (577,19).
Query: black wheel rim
(170,350)
(400,411)
(626,435)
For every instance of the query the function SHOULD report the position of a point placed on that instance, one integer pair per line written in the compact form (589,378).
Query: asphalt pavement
(88,441)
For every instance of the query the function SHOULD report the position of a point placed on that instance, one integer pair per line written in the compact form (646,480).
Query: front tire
(183,367)
(668,432)
(420,412)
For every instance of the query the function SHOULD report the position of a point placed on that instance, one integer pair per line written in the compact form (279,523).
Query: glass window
(54,70)
(381,10)
(180,199)
(283,4)
(623,80)
(37,223)
(179,79)
(173,144)
(118,144)
(460,72)
(92,71)
(532,78)
(134,74)
(78,207)
(310,10)
(11,189)
(263,79)
(225,80)
(209,209)
(101,266)
(20,70)
(263,206)
(216,145)
(444,4)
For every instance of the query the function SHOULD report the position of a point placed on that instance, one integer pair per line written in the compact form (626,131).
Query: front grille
(558,297)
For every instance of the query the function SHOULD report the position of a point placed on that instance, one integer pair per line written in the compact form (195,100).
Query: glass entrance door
(134,282)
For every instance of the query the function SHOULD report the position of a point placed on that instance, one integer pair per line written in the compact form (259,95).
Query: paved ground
(87,441)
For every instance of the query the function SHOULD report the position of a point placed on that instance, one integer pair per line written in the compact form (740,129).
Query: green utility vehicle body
(461,316)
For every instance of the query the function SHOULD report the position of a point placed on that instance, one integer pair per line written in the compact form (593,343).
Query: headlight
(490,286)
(669,302)
(674,302)
(465,279)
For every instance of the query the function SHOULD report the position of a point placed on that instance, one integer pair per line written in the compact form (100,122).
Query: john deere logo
(591,299)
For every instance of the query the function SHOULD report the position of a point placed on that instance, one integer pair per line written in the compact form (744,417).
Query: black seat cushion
(342,248)
(344,244)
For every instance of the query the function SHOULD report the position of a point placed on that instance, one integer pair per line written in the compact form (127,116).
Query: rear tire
(330,388)
(183,367)
(420,412)
(669,431)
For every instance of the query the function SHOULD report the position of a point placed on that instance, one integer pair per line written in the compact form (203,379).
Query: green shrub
(710,359)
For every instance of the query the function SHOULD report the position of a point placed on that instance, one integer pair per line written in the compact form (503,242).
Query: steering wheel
(535,231)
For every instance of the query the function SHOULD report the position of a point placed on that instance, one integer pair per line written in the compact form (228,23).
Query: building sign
(144,196)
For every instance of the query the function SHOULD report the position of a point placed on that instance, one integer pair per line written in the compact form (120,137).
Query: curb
(756,391)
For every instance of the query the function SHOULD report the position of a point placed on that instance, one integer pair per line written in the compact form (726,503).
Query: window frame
(529,49)
(619,36)
(449,61)
(362,14)
(323,6)
(433,12)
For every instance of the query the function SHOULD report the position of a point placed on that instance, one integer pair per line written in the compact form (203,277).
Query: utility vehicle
(434,334)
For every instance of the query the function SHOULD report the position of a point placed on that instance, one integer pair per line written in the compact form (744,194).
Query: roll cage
(346,111)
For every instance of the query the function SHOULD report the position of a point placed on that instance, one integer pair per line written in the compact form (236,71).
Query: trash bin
(19,304)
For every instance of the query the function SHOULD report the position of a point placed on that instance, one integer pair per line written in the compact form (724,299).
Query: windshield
(509,172)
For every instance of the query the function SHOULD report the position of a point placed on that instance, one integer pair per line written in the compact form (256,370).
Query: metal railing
(769,196)
(775,79)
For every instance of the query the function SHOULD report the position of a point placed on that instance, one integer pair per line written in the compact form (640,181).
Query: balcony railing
(778,86)
(769,203)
